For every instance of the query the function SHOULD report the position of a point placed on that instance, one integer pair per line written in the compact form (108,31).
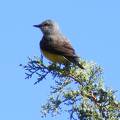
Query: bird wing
(58,45)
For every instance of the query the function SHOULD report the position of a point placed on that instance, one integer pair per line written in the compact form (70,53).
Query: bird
(55,46)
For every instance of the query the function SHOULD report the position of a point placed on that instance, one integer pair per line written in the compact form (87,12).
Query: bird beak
(37,26)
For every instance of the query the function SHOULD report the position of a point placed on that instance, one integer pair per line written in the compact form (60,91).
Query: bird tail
(81,66)
(75,60)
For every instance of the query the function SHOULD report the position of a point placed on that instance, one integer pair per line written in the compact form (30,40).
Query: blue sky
(93,28)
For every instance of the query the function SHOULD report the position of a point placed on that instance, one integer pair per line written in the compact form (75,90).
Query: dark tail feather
(75,60)
(79,65)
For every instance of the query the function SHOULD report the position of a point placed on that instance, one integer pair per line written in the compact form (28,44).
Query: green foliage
(81,93)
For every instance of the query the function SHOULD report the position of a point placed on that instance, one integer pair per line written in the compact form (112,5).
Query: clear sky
(93,26)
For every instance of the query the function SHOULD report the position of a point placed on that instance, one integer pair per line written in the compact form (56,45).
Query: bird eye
(46,24)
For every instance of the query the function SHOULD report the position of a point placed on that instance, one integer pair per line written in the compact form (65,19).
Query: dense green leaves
(81,93)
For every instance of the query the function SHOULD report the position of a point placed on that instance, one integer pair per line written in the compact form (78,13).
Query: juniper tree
(81,93)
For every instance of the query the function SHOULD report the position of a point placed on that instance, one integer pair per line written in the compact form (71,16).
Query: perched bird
(55,46)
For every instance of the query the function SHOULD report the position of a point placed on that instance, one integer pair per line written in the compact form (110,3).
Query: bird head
(48,27)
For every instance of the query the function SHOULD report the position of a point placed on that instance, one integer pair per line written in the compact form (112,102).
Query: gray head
(48,27)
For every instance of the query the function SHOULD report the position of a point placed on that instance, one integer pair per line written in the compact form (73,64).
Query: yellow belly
(55,58)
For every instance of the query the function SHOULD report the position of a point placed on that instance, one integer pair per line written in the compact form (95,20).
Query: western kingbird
(55,46)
